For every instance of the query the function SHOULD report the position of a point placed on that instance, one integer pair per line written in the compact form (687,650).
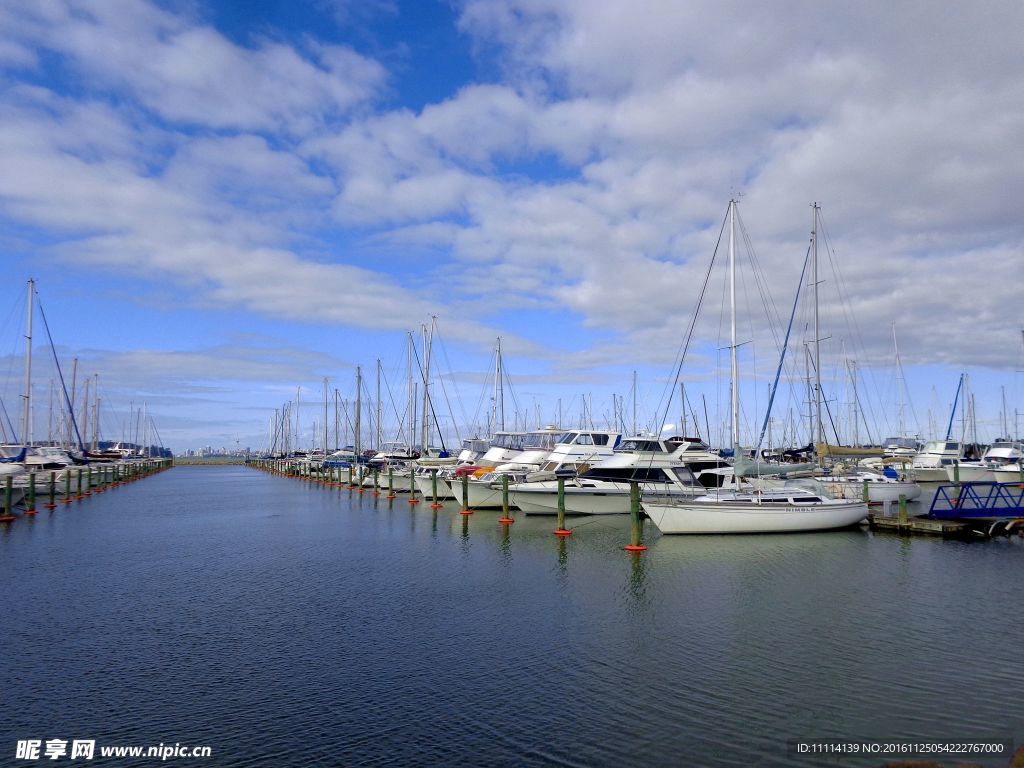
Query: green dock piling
(433,487)
(8,512)
(412,488)
(506,517)
(30,500)
(561,530)
(636,527)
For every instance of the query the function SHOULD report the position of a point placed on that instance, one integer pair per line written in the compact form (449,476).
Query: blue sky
(223,202)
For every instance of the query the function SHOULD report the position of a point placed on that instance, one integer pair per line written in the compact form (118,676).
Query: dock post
(8,512)
(635,545)
(433,487)
(561,530)
(865,494)
(30,499)
(956,483)
(376,481)
(350,483)
(78,484)
(53,490)
(903,510)
(412,488)
(391,482)
(67,486)
(465,494)
(506,517)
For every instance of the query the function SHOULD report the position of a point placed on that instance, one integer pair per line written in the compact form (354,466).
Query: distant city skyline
(224,202)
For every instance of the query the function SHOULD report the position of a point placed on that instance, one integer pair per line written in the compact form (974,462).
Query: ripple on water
(285,624)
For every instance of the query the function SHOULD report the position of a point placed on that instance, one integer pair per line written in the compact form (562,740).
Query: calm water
(284,625)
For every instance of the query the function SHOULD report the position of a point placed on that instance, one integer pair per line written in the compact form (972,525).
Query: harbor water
(282,623)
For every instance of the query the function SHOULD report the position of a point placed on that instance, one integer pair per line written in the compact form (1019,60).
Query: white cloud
(190,73)
(589,179)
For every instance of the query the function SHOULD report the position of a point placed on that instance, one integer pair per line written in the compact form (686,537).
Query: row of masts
(66,430)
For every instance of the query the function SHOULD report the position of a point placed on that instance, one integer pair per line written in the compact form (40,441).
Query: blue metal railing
(972,500)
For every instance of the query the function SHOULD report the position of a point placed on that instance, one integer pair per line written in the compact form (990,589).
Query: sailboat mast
(71,403)
(337,436)
(428,344)
(326,390)
(634,402)
(817,334)
(49,418)
(856,415)
(1006,428)
(499,389)
(85,414)
(410,435)
(732,321)
(359,411)
(96,412)
(379,427)
(26,419)
(298,411)
(900,383)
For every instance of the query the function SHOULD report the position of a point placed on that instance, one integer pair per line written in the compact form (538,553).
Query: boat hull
(930,474)
(578,501)
(731,517)
(878,492)
(971,473)
(425,485)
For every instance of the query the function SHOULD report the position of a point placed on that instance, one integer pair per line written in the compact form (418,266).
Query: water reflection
(416,646)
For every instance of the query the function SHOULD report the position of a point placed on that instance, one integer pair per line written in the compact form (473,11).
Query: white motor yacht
(930,464)
(999,454)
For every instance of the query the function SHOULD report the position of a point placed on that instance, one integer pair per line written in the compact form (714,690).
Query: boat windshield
(633,445)
(540,440)
(688,443)
(583,438)
(511,440)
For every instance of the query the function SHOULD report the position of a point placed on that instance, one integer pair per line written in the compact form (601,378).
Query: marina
(486,383)
(269,616)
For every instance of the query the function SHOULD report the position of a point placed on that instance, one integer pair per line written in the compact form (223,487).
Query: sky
(225,203)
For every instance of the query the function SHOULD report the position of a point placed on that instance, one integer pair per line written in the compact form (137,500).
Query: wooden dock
(921,526)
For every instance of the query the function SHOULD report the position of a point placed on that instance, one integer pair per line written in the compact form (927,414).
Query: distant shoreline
(200,460)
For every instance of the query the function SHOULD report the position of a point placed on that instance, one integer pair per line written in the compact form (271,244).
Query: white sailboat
(798,506)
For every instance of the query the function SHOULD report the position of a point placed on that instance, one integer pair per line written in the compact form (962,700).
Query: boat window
(807,498)
(510,441)
(652,446)
(584,439)
(952,446)
(540,440)
(600,439)
(625,474)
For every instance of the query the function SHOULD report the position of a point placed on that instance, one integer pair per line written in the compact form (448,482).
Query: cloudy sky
(225,201)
